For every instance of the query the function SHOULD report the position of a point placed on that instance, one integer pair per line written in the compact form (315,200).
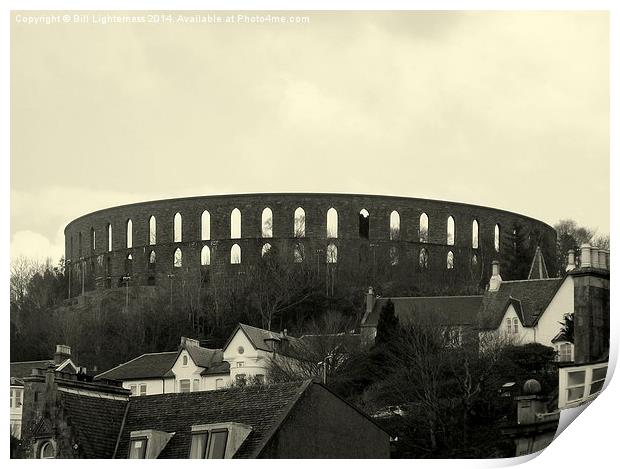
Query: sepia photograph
(306,234)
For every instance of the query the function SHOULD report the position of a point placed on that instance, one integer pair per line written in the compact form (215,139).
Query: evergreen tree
(388,325)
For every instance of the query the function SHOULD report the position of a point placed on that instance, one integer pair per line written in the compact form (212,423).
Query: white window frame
(587,384)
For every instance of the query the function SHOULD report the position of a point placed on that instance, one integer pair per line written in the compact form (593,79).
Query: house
(190,368)
(69,419)
(61,361)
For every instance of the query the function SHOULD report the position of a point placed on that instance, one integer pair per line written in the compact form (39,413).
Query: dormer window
(138,448)
(217,441)
(148,444)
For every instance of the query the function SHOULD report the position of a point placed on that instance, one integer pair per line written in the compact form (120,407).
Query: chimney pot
(585,260)
(602,259)
(571,260)
(594,257)
(370,300)
(496,279)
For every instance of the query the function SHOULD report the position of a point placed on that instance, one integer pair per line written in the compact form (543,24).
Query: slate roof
(261,407)
(530,298)
(95,421)
(260,338)
(24,369)
(442,310)
(148,365)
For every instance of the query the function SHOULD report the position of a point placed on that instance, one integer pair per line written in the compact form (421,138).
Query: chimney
(602,260)
(186,341)
(571,260)
(594,257)
(496,279)
(62,353)
(370,300)
(585,256)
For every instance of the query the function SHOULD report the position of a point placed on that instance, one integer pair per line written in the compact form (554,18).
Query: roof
(442,310)
(24,369)
(95,421)
(261,407)
(148,365)
(538,269)
(529,298)
(261,339)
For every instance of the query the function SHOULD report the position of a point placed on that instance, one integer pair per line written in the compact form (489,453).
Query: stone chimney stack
(62,353)
(370,300)
(602,259)
(571,260)
(496,279)
(594,257)
(584,257)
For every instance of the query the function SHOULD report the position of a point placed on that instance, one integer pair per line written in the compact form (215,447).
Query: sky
(503,109)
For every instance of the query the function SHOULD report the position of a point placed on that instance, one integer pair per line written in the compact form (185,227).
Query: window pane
(184,385)
(143,389)
(575,393)
(217,444)
(576,377)
(138,449)
(599,373)
(596,387)
(199,443)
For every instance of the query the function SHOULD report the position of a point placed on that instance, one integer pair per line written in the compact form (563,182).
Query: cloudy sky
(508,110)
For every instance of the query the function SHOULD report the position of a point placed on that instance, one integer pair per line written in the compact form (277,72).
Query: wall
(549,323)
(255,362)
(360,261)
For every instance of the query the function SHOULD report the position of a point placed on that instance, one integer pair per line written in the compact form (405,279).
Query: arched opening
(496,239)
(424,228)
(152,231)
(129,234)
(450,260)
(178,228)
(299,226)
(205,226)
(152,259)
(235,224)
(266,248)
(298,253)
(450,231)
(332,253)
(394,226)
(267,223)
(332,223)
(474,234)
(47,451)
(178,258)
(364,223)
(93,244)
(109,238)
(393,255)
(205,256)
(423,260)
(235,254)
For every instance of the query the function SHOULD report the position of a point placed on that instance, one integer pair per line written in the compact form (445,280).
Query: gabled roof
(261,407)
(261,339)
(148,365)
(538,269)
(530,298)
(24,369)
(95,422)
(441,310)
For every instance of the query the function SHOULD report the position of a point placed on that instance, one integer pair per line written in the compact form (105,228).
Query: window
(298,253)
(393,255)
(235,254)
(423,260)
(47,451)
(424,228)
(565,352)
(143,389)
(109,238)
(16,398)
(450,261)
(364,224)
(134,389)
(496,238)
(576,385)
(205,256)
(267,223)
(515,326)
(196,385)
(450,233)
(209,445)
(219,383)
(138,448)
(152,258)
(184,385)
(474,234)
(93,244)
(178,258)
(205,226)
(152,231)
(332,223)
(299,226)
(332,254)
(240,380)
(394,226)
(240,364)
(178,228)
(184,360)
(129,234)
(235,224)
(266,248)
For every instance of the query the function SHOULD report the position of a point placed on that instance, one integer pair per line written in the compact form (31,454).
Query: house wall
(153,386)
(549,323)
(592,316)
(190,371)
(323,426)
(254,362)
(525,335)
(16,411)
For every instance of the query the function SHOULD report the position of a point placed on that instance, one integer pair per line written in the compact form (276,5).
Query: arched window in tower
(235,224)
(178,258)
(474,234)
(496,238)
(93,244)
(205,256)
(178,228)
(299,226)
(450,231)
(298,253)
(332,223)
(109,237)
(394,226)
(129,234)
(364,223)
(424,228)
(266,248)
(152,258)
(332,254)
(267,223)
(235,254)
(393,255)
(205,226)
(152,231)
(423,260)
(450,260)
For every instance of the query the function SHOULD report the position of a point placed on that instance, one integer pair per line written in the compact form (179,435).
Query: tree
(387,325)
(568,327)
(570,236)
